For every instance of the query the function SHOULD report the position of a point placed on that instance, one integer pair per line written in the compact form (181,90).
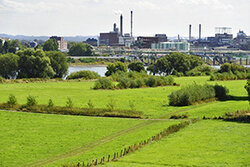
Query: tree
(114,67)
(1,46)
(175,62)
(8,65)
(50,45)
(34,64)
(59,63)
(6,46)
(136,66)
(80,49)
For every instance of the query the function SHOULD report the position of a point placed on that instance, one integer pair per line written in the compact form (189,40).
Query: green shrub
(140,82)
(221,91)
(191,94)
(31,101)
(90,104)
(84,75)
(247,87)
(124,83)
(69,103)
(2,80)
(12,100)
(151,82)
(111,104)
(50,103)
(103,83)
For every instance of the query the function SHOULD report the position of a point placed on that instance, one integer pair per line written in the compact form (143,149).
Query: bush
(111,105)
(103,83)
(221,91)
(50,103)
(151,82)
(195,93)
(84,75)
(247,87)
(124,83)
(12,100)
(31,101)
(90,104)
(69,103)
(2,80)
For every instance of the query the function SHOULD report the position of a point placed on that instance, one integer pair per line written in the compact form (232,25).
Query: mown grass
(117,144)
(29,137)
(206,143)
(153,102)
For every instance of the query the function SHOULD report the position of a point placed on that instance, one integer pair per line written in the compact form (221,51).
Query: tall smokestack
(131,33)
(190,32)
(114,29)
(121,22)
(199,32)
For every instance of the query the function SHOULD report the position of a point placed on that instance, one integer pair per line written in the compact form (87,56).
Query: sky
(90,17)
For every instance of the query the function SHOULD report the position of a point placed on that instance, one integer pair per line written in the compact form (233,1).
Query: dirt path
(91,145)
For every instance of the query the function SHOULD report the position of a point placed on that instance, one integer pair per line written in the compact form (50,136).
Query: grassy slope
(206,143)
(117,144)
(152,101)
(28,137)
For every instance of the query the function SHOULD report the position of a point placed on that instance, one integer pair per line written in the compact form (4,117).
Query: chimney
(114,27)
(121,22)
(131,33)
(190,32)
(199,32)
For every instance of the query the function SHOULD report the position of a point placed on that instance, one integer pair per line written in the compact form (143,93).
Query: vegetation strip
(92,145)
(132,148)
(69,110)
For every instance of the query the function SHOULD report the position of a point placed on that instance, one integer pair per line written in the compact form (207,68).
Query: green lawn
(206,143)
(152,101)
(27,137)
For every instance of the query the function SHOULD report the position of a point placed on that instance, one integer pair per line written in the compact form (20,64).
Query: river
(99,69)
(102,69)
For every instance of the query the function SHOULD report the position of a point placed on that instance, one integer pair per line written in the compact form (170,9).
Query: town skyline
(90,17)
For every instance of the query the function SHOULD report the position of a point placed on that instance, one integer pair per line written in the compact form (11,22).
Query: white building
(175,46)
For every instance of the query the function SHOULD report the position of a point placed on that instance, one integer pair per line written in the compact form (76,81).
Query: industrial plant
(222,39)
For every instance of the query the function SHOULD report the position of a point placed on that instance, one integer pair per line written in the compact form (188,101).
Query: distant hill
(44,38)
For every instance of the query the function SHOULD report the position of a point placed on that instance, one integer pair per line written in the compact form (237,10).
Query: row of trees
(76,49)
(175,63)
(30,63)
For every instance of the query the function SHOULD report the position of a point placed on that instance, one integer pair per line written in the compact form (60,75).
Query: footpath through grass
(206,143)
(41,139)
(153,102)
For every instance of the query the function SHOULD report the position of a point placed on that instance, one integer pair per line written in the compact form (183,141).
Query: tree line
(75,48)
(30,63)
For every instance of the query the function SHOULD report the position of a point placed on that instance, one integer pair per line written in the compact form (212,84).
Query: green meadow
(206,143)
(153,102)
(32,139)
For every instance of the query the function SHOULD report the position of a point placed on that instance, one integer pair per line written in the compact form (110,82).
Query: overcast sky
(90,17)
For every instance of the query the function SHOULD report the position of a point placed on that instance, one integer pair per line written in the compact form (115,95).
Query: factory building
(146,42)
(62,44)
(109,39)
(173,46)
(116,37)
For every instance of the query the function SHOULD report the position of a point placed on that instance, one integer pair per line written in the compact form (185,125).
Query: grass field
(40,139)
(152,101)
(206,143)
(29,139)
